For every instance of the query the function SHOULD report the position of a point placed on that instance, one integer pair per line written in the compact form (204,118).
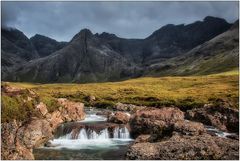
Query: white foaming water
(218,132)
(90,139)
(93,118)
(82,134)
(121,133)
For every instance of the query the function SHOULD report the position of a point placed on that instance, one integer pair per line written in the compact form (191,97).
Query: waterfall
(103,134)
(90,134)
(124,133)
(82,134)
(121,133)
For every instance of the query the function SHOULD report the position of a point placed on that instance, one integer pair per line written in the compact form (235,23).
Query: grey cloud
(62,20)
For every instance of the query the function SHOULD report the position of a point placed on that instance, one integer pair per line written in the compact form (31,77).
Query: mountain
(85,58)
(16,49)
(105,57)
(216,55)
(45,45)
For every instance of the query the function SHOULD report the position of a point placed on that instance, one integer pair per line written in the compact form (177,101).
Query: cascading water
(118,133)
(88,138)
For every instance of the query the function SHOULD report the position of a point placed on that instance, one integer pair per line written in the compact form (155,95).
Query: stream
(92,138)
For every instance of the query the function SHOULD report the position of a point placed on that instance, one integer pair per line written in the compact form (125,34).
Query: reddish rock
(189,128)
(55,119)
(35,133)
(222,117)
(72,110)
(183,147)
(155,120)
(42,108)
(142,139)
(119,118)
(18,139)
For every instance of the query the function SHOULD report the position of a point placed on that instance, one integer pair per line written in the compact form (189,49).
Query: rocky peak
(213,19)
(106,35)
(82,35)
(45,45)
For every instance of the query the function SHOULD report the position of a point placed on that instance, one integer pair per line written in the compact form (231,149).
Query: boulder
(189,128)
(157,121)
(184,147)
(224,118)
(71,110)
(119,118)
(35,133)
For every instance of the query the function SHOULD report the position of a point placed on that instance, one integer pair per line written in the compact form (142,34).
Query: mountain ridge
(103,57)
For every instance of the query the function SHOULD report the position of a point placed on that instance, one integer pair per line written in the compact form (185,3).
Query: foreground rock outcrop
(20,137)
(185,147)
(222,117)
(155,120)
(164,134)
(119,118)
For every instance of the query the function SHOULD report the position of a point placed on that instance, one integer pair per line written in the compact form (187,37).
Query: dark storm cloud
(61,20)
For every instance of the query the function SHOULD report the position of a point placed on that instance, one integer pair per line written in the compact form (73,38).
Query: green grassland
(184,92)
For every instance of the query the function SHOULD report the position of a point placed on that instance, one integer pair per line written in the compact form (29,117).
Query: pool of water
(92,138)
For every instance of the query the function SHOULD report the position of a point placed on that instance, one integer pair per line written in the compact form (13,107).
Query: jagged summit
(83,34)
(211,18)
(106,35)
(102,57)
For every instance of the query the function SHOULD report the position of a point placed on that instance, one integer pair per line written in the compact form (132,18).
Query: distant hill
(171,50)
(219,54)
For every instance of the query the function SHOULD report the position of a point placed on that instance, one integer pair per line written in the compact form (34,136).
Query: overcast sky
(62,20)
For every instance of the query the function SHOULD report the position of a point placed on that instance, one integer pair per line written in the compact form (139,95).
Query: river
(92,138)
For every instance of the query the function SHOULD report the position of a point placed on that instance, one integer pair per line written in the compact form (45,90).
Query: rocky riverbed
(125,132)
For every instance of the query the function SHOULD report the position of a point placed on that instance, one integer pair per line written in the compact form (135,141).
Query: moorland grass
(187,92)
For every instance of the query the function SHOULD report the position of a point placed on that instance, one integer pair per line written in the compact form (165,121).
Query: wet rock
(42,108)
(142,139)
(35,133)
(235,137)
(157,121)
(18,139)
(222,117)
(182,147)
(119,118)
(8,141)
(55,119)
(71,110)
(189,128)
(49,144)
(127,107)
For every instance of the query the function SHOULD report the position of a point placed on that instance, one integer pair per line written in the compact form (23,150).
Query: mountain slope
(84,59)
(16,49)
(45,45)
(105,57)
(217,55)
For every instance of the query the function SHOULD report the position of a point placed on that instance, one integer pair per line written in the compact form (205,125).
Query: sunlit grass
(182,91)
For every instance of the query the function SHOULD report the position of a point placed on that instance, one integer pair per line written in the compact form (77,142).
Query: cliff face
(105,57)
